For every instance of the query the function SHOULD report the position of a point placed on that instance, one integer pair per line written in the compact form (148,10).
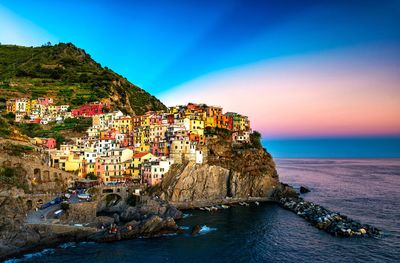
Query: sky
(301,70)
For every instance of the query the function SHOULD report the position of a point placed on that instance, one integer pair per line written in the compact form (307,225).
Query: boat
(256,202)
(207,208)
(202,208)
(225,206)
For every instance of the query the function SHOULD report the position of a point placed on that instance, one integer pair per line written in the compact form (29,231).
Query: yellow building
(11,105)
(123,124)
(145,121)
(52,108)
(141,139)
(173,110)
(20,105)
(197,126)
(74,162)
(210,122)
(137,161)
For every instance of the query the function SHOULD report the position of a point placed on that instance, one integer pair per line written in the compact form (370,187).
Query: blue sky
(174,48)
(162,44)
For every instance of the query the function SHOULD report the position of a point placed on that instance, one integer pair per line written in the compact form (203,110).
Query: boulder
(195,230)
(129,214)
(304,190)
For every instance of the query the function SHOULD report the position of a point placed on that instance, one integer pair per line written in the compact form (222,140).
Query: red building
(128,141)
(36,120)
(193,106)
(170,118)
(89,109)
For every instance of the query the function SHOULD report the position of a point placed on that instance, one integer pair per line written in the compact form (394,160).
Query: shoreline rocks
(149,218)
(322,218)
(304,190)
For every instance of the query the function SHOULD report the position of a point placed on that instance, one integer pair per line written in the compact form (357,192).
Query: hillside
(70,76)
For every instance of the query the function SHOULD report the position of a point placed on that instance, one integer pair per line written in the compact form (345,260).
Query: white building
(153,171)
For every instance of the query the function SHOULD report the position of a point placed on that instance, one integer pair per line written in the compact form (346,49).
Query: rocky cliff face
(232,173)
(12,216)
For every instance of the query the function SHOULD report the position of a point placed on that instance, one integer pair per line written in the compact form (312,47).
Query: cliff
(232,173)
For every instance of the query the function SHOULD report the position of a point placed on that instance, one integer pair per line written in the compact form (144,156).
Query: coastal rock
(195,230)
(148,207)
(304,190)
(230,173)
(151,227)
(80,213)
(103,221)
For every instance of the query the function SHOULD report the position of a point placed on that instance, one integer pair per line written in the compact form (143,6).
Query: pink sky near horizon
(337,93)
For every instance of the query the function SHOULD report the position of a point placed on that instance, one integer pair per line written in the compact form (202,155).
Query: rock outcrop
(331,222)
(232,173)
(149,218)
(82,222)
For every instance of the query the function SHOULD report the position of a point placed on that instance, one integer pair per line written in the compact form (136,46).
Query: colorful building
(123,124)
(137,161)
(90,109)
(153,171)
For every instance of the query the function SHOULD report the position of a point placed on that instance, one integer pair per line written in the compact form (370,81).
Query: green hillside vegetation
(70,76)
(60,132)
(5,129)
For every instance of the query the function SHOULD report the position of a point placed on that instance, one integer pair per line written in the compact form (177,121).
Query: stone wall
(39,177)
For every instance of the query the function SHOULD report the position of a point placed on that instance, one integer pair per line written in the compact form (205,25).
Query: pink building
(45,101)
(49,143)
(99,168)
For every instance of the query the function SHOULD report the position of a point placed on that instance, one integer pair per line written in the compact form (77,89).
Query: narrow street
(45,216)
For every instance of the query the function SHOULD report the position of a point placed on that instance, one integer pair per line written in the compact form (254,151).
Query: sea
(367,190)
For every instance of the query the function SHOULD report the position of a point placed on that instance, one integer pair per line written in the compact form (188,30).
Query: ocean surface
(367,190)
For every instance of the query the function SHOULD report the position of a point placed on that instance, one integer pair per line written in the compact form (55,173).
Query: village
(119,148)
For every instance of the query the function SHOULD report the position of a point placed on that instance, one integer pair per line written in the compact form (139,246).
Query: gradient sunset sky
(301,70)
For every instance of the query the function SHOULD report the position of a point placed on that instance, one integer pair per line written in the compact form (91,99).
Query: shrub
(10,116)
(91,176)
(11,176)
(255,139)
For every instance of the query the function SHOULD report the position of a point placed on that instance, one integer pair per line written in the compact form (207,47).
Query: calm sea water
(367,190)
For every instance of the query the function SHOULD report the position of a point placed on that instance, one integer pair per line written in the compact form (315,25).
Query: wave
(205,229)
(44,252)
(67,245)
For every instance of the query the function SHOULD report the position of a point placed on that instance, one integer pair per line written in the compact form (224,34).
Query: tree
(10,116)
(255,139)
(91,176)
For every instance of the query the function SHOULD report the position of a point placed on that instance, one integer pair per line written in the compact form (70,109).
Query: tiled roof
(141,154)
